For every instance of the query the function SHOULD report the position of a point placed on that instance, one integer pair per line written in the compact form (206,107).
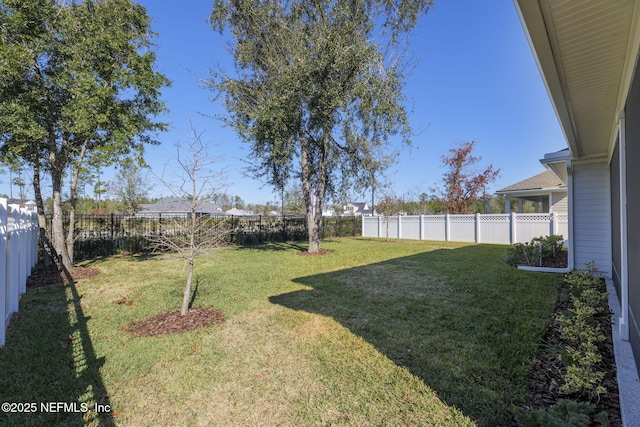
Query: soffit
(582,48)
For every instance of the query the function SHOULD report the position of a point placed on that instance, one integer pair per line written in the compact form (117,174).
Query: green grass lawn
(375,333)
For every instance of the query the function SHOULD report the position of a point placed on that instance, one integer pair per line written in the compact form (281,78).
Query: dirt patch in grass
(52,275)
(173,323)
(321,252)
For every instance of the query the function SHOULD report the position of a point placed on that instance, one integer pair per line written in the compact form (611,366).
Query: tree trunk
(73,198)
(313,197)
(192,254)
(187,288)
(57,221)
(43,243)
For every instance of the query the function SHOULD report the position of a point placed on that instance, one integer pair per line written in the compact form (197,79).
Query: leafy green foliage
(564,413)
(77,83)
(319,85)
(581,330)
(534,253)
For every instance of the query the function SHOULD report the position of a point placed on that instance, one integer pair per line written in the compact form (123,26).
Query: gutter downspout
(571,263)
(623,321)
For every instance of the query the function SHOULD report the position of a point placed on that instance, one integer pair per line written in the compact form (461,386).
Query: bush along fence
(506,229)
(18,255)
(104,235)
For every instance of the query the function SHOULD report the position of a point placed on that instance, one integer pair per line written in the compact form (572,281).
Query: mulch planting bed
(547,376)
(172,322)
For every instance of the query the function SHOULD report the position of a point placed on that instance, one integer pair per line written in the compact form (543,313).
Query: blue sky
(475,79)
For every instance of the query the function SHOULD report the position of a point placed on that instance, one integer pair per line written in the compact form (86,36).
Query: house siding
(559,202)
(632,143)
(592,230)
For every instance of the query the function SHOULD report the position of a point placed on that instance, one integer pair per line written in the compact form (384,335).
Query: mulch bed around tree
(172,322)
(319,253)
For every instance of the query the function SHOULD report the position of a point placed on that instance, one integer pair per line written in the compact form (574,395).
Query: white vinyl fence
(18,254)
(489,228)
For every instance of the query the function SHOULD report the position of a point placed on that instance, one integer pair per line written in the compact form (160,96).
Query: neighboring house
(547,192)
(328,212)
(357,209)
(238,212)
(587,52)
(176,207)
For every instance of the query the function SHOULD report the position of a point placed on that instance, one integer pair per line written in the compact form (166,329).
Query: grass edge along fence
(107,234)
(18,255)
(503,229)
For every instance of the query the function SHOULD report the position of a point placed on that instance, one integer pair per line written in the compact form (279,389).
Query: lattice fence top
(533,217)
(495,218)
(462,218)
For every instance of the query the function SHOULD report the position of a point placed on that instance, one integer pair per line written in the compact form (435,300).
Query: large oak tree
(317,89)
(76,82)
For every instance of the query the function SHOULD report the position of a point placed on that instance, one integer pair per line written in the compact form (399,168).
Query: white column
(477,229)
(623,321)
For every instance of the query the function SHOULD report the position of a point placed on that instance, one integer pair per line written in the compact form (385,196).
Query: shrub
(564,413)
(534,253)
(581,331)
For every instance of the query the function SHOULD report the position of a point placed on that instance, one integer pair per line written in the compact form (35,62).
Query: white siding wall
(559,203)
(592,216)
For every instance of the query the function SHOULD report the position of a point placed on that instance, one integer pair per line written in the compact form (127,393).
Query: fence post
(379,226)
(477,228)
(13,262)
(447,228)
(514,227)
(421,227)
(22,248)
(399,228)
(3,264)
(554,225)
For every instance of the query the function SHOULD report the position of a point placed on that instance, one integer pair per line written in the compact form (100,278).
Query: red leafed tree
(463,184)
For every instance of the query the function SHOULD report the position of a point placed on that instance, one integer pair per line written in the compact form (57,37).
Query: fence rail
(104,235)
(479,228)
(18,255)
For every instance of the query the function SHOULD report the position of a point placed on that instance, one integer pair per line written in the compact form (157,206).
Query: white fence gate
(18,255)
(489,228)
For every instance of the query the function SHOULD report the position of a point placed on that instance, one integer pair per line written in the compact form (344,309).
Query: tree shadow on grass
(449,316)
(276,246)
(49,362)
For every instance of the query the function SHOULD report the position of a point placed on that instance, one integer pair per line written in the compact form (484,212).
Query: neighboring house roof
(177,205)
(360,208)
(238,212)
(542,181)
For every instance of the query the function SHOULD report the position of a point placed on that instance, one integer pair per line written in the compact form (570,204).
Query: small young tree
(463,184)
(389,205)
(131,188)
(193,181)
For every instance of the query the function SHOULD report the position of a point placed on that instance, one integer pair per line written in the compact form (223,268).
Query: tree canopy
(463,183)
(76,82)
(317,90)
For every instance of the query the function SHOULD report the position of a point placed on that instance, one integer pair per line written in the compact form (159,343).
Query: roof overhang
(586,52)
(557,164)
